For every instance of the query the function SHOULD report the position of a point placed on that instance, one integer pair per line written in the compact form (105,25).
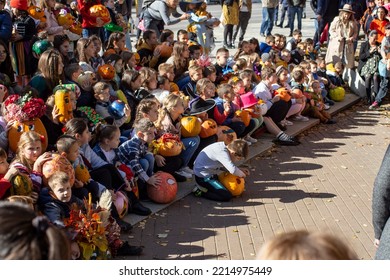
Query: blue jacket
(5,26)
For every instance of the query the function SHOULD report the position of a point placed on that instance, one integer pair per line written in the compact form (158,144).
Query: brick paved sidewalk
(324,184)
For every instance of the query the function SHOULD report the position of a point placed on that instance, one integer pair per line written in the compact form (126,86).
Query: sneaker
(249,143)
(301,118)
(286,122)
(187,170)
(179,178)
(250,139)
(374,106)
(198,191)
(286,142)
(184,174)
(330,122)
(326,106)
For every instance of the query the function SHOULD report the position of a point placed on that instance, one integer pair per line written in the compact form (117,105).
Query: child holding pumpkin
(107,137)
(209,163)
(169,121)
(6,173)
(28,161)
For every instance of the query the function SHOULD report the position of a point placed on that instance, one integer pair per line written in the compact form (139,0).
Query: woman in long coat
(343,32)
(230,12)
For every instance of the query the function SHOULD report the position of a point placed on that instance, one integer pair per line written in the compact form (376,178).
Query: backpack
(147,3)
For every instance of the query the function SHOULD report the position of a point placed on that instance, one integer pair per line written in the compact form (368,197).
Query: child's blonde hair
(99,87)
(303,245)
(146,74)
(170,102)
(64,143)
(144,107)
(58,178)
(164,68)
(26,138)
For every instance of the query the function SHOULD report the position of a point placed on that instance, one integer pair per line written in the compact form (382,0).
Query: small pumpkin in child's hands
(106,72)
(82,173)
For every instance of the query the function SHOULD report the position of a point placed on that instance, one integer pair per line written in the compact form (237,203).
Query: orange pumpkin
(168,145)
(283,93)
(106,72)
(244,115)
(76,28)
(173,87)
(165,50)
(64,105)
(65,18)
(226,134)
(100,11)
(209,128)
(190,126)
(58,163)
(82,173)
(19,127)
(166,191)
(234,184)
(36,13)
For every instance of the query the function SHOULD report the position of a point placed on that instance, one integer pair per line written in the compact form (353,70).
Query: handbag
(370,67)
(141,25)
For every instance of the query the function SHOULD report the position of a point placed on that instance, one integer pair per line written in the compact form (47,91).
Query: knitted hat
(265,57)
(19,4)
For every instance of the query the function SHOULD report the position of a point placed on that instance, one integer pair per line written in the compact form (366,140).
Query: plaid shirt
(131,152)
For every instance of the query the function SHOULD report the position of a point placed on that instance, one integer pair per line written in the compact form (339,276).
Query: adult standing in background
(326,11)
(343,32)
(243,19)
(268,12)
(295,8)
(123,7)
(230,13)
(158,13)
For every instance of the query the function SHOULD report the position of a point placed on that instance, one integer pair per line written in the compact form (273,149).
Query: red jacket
(4,186)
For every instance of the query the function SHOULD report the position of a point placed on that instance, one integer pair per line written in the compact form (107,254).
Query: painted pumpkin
(100,11)
(168,145)
(36,13)
(58,163)
(166,191)
(165,50)
(121,204)
(64,105)
(76,28)
(226,134)
(65,18)
(19,127)
(337,94)
(234,184)
(82,173)
(244,115)
(190,126)
(106,72)
(283,94)
(209,128)
(69,87)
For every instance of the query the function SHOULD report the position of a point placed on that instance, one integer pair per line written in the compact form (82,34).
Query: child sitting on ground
(163,88)
(209,163)
(167,70)
(6,173)
(195,73)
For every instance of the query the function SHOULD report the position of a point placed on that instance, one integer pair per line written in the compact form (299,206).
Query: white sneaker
(184,174)
(248,138)
(187,170)
(249,143)
(326,106)
(301,118)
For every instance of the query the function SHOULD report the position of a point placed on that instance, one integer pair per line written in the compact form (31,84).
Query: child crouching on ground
(209,163)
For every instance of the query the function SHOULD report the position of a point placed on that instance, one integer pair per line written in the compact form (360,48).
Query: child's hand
(12,172)
(78,184)
(99,22)
(127,111)
(276,98)
(10,124)
(154,181)
(41,160)
(227,107)
(128,185)
(312,102)
(160,160)
(55,114)
(245,171)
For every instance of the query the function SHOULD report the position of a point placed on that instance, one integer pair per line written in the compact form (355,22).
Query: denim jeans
(268,21)
(147,163)
(382,89)
(190,146)
(295,10)
(87,32)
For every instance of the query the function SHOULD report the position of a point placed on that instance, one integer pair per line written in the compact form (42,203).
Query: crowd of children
(118,104)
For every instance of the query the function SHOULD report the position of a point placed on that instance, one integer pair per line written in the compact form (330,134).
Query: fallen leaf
(163,244)
(343,166)
(364,225)
(162,235)
(167,230)
(235,230)
(336,220)
(328,200)
(252,254)
(280,209)
(130,237)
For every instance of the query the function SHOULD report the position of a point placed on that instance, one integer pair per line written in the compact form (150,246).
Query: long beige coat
(336,47)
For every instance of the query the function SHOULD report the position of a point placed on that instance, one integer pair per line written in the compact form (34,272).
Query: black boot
(136,206)
(128,250)
(125,226)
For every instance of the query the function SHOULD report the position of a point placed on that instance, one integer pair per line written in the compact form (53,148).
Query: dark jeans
(383,88)
(109,176)
(228,34)
(215,190)
(268,21)
(283,15)
(242,25)
(295,10)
